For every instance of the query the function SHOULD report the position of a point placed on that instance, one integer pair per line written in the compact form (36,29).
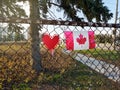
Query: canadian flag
(79,40)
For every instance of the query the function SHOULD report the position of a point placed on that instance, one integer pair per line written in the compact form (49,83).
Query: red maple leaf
(81,39)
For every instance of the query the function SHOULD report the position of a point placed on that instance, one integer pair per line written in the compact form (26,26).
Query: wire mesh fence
(62,69)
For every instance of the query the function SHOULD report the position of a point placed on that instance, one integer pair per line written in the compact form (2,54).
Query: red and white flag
(79,40)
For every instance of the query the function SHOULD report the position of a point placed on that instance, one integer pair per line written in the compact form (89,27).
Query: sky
(111,4)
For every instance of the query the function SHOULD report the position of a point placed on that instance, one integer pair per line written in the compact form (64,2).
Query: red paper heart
(50,42)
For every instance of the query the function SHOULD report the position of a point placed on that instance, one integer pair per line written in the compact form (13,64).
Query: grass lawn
(105,55)
(61,71)
(78,77)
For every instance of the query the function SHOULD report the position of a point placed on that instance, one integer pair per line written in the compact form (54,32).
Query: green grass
(101,54)
(80,77)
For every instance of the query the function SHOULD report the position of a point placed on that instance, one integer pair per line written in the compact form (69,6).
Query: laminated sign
(79,40)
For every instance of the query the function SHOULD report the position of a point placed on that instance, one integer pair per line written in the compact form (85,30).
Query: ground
(60,71)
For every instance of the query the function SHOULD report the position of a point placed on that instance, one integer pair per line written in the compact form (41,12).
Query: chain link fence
(92,69)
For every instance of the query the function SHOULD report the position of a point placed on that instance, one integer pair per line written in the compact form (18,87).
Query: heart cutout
(50,42)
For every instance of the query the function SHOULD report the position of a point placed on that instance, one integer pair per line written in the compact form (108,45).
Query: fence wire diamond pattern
(90,69)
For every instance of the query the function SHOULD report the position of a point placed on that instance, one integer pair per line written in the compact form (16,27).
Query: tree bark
(34,34)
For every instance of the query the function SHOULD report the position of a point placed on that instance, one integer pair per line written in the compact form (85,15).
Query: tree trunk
(34,34)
